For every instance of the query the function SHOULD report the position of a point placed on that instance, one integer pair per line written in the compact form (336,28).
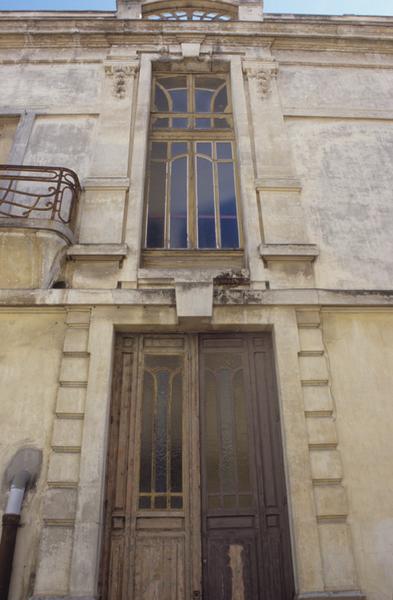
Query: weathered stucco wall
(360,350)
(342,82)
(41,86)
(61,140)
(30,351)
(346,170)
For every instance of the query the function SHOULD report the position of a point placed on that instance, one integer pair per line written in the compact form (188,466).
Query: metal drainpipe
(11,519)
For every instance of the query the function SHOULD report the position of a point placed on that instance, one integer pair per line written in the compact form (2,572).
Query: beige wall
(347,182)
(30,351)
(48,85)
(61,140)
(360,350)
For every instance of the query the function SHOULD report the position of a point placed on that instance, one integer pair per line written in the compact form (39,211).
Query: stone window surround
(248,213)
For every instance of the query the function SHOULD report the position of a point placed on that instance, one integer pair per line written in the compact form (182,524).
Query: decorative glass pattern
(227,438)
(191,191)
(189,14)
(160,478)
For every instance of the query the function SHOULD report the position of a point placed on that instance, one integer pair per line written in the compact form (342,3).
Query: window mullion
(216,197)
(167,198)
(192,207)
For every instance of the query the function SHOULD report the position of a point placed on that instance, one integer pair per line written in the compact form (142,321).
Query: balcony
(38,207)
(41,198)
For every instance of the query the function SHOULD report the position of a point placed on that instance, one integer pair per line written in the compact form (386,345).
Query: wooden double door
(195,502)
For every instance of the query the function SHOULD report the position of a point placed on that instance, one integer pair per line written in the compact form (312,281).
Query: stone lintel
(97,252)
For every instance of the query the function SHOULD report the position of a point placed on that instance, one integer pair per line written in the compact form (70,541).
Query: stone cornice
(356,34)
(340,299)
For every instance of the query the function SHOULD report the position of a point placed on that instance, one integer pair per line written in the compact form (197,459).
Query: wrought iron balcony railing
(49,193)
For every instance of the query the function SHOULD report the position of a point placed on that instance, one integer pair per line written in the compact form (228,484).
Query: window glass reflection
(191,177)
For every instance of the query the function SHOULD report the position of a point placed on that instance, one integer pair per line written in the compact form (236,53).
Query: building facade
(196,302)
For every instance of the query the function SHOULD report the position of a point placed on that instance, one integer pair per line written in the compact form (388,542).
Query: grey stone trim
(115,252)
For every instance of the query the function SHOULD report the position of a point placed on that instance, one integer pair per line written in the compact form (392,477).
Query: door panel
(152,519)
(156,516)
(244,521)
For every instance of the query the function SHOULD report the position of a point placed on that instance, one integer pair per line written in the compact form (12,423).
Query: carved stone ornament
(120,74)
(263,77)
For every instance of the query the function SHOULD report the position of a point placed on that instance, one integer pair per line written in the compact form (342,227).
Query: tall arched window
(191,177)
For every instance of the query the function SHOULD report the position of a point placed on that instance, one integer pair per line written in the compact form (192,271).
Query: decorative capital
(263,77)
(120,74)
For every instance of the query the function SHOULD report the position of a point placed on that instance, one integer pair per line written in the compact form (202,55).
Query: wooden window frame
(174,257)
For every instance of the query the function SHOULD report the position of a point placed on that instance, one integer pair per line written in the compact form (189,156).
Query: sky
(322,7)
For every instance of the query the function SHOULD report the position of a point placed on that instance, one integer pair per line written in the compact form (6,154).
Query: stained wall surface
(30,351)
(360,352)
(341,134)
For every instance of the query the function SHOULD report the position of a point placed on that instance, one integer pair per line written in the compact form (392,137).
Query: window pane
(179,148)
(160,99)
(156,215)
(203,100)
(178,214)
(179,100)
(176,436)
(180,123)
(212,451)
(242,436)
(224,150)
(176,502)
(160,502)
(221,123)
(225,400)
(146,433)
(161,433)
(177,89)
(220,100)
(159,150)
(203,123)
(144,502)
(204,148)
(227,197)
(160,426)
(205,199)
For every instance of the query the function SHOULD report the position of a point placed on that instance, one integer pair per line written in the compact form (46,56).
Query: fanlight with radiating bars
(188,14)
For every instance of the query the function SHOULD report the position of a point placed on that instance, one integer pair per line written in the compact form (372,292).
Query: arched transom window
(191,181)
(188,14)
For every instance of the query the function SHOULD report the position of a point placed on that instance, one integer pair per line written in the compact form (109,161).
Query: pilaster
(106,188)
(134,213)
(284,249)
(246,175)
(330,499)
(64,461)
